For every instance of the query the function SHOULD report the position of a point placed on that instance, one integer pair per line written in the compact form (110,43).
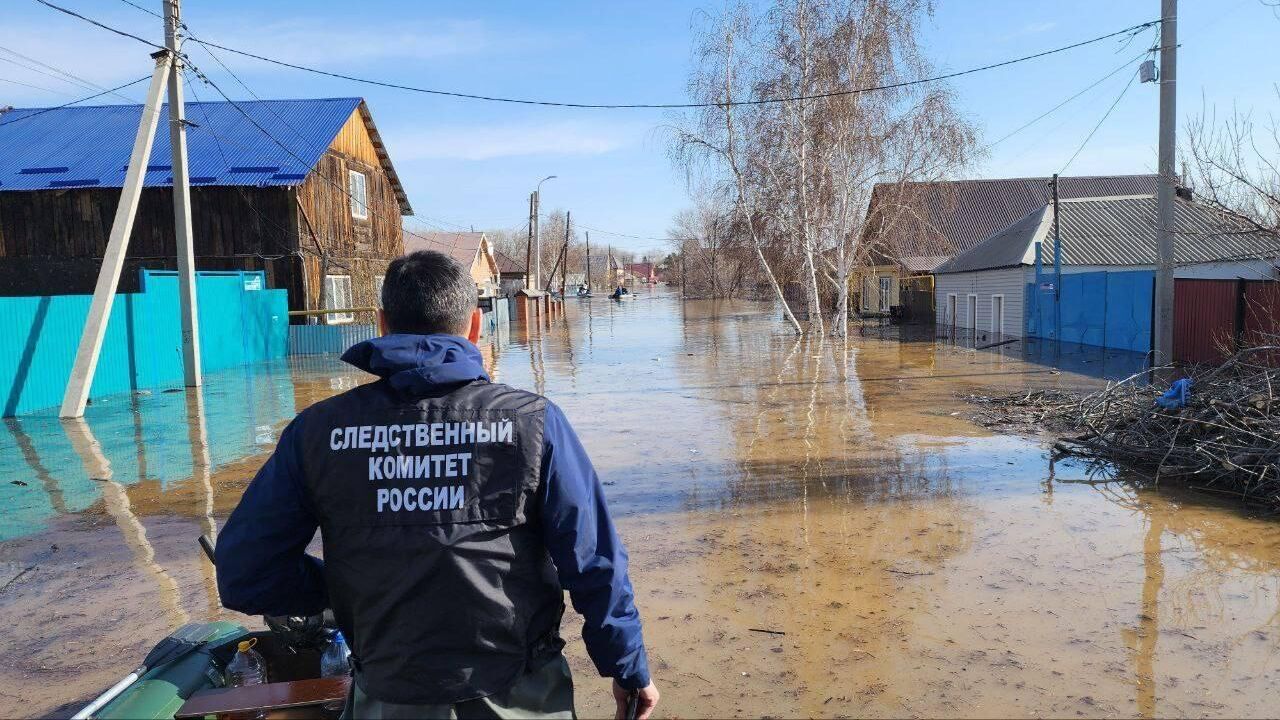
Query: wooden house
(472,249)
(301,189)
(513,275)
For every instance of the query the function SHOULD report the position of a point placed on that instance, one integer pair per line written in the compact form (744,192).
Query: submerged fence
(239,323)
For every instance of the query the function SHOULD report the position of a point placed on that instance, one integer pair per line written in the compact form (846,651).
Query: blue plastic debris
(1177,396)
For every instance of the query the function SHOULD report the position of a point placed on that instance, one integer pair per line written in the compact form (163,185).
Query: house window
(997,315)
(337,296)
(886,285)
(357,188)
(971,306)
(951,311)
(377,289)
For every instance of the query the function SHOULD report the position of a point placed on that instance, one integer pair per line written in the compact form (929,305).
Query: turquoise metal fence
(239,323)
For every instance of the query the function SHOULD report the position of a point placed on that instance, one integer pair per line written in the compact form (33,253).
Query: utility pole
(528,246)
(588,261)
(537,237)
(167,73)
(1162,333)
(182,200)
(564,270)
(537,242)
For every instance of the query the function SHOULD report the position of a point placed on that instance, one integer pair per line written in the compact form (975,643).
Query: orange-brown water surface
(815,529)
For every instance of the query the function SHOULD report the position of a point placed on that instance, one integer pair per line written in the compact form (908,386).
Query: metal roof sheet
(461,246)
(948,217)
(1118,231)
(90,145)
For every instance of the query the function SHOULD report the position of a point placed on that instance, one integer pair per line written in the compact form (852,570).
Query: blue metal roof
(89,146)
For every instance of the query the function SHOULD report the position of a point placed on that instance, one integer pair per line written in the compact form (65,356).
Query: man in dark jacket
(452,512)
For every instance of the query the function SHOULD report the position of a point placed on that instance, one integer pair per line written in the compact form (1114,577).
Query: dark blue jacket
(263,567)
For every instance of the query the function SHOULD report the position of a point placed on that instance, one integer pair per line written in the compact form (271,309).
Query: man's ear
(382,322)
(473,329)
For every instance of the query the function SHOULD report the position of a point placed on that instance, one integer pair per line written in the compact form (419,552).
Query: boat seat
(296,698)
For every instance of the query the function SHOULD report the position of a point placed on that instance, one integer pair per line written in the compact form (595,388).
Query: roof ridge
(51,108)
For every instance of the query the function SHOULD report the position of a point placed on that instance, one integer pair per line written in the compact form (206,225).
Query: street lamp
(537,238)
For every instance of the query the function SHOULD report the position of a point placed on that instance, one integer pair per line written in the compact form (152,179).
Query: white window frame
(885,289)
(338,287)
(997,330)
(358,188)
(971,311)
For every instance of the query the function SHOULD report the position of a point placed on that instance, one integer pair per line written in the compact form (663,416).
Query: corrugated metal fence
(1104,309)
(1212,317)
(335,339)
(239,323)
(325,339)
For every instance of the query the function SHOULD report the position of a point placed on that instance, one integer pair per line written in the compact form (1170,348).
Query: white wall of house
(976,295)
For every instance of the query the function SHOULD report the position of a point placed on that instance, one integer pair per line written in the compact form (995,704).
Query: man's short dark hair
(427,292)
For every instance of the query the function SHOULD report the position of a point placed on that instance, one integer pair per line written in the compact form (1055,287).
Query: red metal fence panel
(1262,317)
(1204,319)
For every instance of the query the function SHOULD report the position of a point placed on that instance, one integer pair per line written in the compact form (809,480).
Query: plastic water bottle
(335,661)
(247,667)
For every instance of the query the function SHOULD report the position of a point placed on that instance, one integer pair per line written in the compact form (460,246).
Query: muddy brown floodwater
(815,530)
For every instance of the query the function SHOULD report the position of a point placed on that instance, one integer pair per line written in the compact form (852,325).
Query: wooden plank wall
(52,241)
(358,247)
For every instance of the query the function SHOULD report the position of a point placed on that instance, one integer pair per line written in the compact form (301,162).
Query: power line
(305,163)
(1105,115)
(632,106)
(104,26)
(1131,30)
(75,102)
(68,77)
(36,87)
(1060,105)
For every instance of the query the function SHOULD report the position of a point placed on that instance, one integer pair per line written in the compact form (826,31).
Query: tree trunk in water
(777,291)
(815,295)
(840,321)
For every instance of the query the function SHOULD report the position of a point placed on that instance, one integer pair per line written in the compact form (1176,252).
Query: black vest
(436,570)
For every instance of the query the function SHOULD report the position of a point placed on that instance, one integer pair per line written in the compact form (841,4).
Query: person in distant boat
(454,512)
(619,292)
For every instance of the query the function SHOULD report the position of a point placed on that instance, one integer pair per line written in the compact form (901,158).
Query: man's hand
(646,701)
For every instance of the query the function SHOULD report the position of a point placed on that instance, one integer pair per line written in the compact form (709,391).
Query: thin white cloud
(486,142)
(1031,29)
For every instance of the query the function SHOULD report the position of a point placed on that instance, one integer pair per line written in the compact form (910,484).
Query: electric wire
(304,163)
(1059,106)
(36,87)
(1105,115)
(66,76)
(42,111)
(1131,30)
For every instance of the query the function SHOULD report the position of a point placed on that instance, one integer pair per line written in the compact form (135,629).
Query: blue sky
(472,163)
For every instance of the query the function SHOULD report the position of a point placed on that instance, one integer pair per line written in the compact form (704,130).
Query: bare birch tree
(717,138)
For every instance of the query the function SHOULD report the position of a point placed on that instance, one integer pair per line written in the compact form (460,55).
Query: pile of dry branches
(1226,438)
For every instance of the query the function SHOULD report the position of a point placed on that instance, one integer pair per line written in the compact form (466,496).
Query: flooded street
(815,529)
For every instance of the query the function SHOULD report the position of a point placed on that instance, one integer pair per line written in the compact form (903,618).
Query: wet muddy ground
(815,528)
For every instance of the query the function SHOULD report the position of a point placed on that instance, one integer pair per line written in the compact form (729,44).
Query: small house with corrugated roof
(912,228)
(303,190)
(472,249)
(1006,287)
